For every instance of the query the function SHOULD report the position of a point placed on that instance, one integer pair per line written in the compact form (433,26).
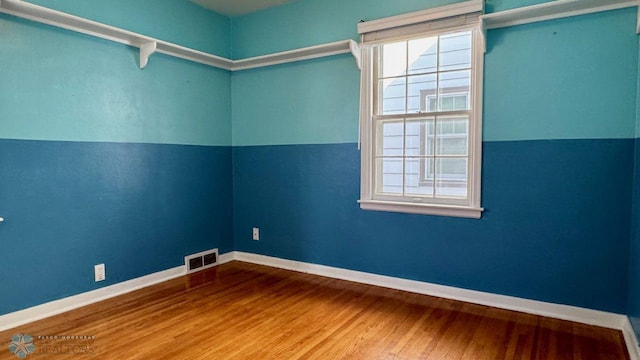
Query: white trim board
(558,311)
(148,45)
(56,307)
(553,10)
(39,312)
(307,53)
(631,340)
(437,13)
(564,312)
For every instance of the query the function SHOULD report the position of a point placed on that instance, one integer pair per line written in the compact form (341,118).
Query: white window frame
(404,27)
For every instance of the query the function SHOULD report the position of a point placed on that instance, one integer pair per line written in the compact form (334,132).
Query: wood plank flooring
(245,311)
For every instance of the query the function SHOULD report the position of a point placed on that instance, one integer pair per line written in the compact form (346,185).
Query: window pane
(389,175)
(455,51)
(453,136)
(461,102)
(423,55)
(392,91)
(432,104)
(451,177)
(389,138)
(446,103)
(420,137)
(393,59)
(453,90)
(421,87)
(421,148)
(418,176)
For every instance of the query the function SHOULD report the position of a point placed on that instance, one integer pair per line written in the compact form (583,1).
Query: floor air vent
(202,260)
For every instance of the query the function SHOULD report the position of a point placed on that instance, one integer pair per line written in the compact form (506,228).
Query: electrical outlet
(99,272)
(256,234)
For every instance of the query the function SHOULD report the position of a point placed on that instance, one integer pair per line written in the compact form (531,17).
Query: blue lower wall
(556,225)
(138,208)
(70,205)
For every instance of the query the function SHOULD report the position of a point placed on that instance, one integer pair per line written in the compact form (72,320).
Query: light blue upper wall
(308,22)
(178,21)
(311,22)
(502,5)
(572,78)
(638,95)
(306,102)
(66,86)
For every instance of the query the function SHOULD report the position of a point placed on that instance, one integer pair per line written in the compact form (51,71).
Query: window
(421,116)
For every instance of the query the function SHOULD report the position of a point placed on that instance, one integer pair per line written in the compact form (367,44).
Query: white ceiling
(239,7)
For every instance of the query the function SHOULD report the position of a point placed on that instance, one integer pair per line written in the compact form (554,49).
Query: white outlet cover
(100,273)
(256,234)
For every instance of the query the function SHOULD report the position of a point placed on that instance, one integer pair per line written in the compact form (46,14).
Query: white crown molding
(553,10)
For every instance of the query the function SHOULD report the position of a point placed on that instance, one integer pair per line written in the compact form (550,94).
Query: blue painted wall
(565,91)
(550,242)
(502,5)
(138,208)
(305,108)
(102,159)
(311,22)
(557,162)
(547,81)
(102,162)
(65,86)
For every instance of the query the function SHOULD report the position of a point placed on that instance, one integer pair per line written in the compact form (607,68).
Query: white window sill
(423,209)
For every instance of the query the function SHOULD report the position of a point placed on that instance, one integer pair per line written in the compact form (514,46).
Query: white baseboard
(225,258)
(558,311)
(39,312)
(56,307)
(631,340)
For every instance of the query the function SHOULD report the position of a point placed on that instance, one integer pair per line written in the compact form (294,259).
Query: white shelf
(146,44)
(149,45)
(312,52)
(553,10)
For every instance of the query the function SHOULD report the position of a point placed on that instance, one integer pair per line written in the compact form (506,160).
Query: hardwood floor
(245,311)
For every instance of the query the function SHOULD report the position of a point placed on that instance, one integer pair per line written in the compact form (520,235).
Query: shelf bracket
(638,23)
(483,35)
(357,53)
(146,50)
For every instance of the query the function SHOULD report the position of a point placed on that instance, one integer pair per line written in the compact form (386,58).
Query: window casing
(421,107)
